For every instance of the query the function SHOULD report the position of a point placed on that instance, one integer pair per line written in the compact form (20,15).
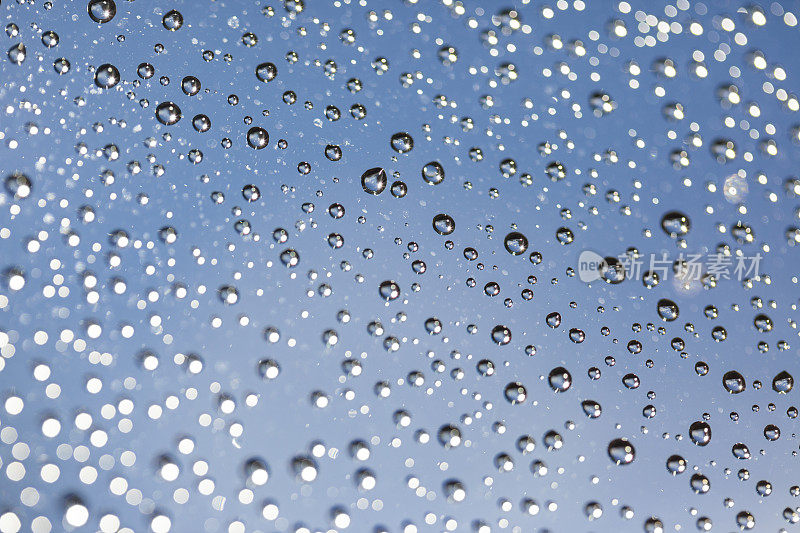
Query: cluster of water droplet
(182,278)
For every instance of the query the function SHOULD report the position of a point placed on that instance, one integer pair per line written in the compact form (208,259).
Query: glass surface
(399,266)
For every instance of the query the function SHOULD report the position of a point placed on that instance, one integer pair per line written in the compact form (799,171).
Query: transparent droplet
(783,382)
(374,181)
(700,433)
(676,465)
(102,11)
(560,379)
(515,393)
(675,224)
(515,243)
(18,185)
(17,53)
(433,173)
(402,142)
(389,290)
(667,310)
(106,76)
(501,335)
(266,72)
(444,224)
(621,451)
(168,113)
(733,382)
(172,20)
(257,138)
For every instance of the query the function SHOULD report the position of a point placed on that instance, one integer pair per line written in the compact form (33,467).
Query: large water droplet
(676,465)
(433,173)
(106,76)
(257,138)
(172,20)
(783,382)
(374,181)
(700,433)
(389,290)
(675,224)
(621,451)
(515,243)
(266,72)
(560,379)
(17,53)
(444,224)
(740,451)
(402,142)
(501,335)
(449,436)
(591,408)
(168,113)
(733,382)
(515,393)
(18,185)
(668,310)
(102,11)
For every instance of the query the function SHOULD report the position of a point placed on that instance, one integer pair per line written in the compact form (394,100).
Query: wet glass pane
(394,266)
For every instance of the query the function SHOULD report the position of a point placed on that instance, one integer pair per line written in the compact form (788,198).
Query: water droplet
(591,408)
(612,271)
(743,233)
(374,181)
(565,236)
(389,290)
(433,173)
(201,123)
(305,468)
(515,393)
(733,382)
(266,72)
(449,436)
(257,138)
(455,490)
(172,20)
(444,224)
(560,379)
(772,432)
(168,113)
(676,465)
(601,104)
(17,53)
(228,294)
(740,451)
(145,71)
(700,484)
(107,76)
(399,189)
(402,142)
(556,171)
(251,193)
(189,85)
(501,335)
(783,382)
(516,243)
(18,185)
(667,310)
(102,11)
(763,323)
(700,433)
(290,258)
(61,66)
(675,224)
(621,451)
